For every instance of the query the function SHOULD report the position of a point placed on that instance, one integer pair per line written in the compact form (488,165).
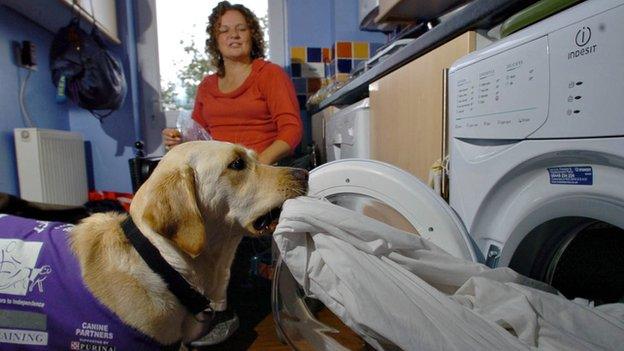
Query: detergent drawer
(504,96)
(559,78)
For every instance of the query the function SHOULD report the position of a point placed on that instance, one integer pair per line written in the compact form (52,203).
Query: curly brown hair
(257,38)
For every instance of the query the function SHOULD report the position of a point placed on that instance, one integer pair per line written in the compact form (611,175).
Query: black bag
(88,73)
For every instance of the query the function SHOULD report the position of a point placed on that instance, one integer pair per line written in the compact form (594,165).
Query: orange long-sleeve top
(263,109)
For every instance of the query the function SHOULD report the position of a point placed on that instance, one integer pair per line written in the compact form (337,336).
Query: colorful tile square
(314,55)
(360,50)
(295,70)
(344,65)
(341,77)
(298,54)
(343,49)
(314,84)
(301,85)
(326,55)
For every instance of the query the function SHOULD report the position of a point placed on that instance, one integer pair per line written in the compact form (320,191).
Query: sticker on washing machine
(581,175)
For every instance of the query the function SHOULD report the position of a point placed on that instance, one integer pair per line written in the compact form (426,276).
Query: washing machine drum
(385,193)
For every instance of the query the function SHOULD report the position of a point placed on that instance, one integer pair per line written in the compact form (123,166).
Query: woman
(248,101)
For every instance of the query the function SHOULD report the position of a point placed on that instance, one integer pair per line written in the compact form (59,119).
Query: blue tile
(374,47)
(300,85)
(344,65)
(295,70)
(315,55)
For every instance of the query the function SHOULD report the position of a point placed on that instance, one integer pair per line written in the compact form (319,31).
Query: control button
(579,83)
(577,97)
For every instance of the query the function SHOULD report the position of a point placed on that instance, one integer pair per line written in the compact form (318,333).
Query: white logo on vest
(18,274)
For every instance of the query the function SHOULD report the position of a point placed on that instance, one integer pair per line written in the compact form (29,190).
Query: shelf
(413,10)
(474,15)
(54,14)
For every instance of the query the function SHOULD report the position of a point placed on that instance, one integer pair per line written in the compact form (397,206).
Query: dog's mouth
(267,223)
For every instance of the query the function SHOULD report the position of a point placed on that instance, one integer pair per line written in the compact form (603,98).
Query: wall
(321,23)
(39,93)
(109,144)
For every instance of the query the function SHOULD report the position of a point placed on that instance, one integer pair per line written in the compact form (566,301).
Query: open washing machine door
(382,192)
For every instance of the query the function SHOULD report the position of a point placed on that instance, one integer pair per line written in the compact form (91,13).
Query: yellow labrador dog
(194,208)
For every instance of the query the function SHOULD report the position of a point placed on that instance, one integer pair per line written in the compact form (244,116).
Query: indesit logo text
(582,39)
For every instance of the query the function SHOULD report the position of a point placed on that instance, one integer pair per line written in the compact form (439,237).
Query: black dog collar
(194,301)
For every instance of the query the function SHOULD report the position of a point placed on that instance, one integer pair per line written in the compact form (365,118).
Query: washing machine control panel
(502,97)
(560,78)
(587,78)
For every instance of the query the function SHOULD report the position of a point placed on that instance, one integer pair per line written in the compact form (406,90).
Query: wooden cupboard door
(407,106)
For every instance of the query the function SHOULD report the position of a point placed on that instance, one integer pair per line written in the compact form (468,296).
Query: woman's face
(234,36)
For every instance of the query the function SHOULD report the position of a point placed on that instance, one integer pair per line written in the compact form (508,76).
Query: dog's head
(203,186)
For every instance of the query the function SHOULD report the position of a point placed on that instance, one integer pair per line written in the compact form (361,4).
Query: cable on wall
(28,122)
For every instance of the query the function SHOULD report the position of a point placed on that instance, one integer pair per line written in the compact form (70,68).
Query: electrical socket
(25,54)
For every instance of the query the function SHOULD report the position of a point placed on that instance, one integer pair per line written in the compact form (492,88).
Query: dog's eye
(238,164)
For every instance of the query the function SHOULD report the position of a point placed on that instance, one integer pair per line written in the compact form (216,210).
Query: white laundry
(398,290)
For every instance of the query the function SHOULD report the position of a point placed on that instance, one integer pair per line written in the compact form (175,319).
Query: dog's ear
(173,212)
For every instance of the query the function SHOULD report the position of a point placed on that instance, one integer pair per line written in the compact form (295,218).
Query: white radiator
(51,166)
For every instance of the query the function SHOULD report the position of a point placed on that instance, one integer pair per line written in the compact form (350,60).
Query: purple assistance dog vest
(44,304)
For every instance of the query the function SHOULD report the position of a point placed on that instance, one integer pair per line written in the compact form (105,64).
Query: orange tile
(326,56)
(343,49)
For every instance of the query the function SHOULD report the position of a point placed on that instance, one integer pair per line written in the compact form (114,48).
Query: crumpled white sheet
(396,289)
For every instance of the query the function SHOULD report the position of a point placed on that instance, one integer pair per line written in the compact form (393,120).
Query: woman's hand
(275,152)
(171,137)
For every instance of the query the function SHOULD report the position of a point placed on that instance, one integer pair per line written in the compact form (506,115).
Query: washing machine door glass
(372,208)
(382,192)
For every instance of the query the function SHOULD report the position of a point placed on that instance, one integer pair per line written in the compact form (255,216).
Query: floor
(250,296)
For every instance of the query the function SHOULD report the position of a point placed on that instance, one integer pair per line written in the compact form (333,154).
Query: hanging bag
(86,71)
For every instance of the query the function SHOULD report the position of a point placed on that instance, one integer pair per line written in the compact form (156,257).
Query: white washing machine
(537,187)
(537,150)
(347,133)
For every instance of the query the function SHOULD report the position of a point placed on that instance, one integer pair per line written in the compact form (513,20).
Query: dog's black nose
(300,174)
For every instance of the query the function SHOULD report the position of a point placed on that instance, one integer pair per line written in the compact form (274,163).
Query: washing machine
(347,132)
(536,167)
(537,150)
